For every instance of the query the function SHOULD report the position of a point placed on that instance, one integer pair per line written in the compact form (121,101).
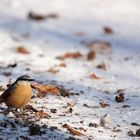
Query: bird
(18,94)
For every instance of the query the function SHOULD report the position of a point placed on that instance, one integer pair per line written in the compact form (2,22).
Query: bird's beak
(31,79)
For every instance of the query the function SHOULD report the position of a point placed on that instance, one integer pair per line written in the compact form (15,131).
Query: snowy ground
(79,22)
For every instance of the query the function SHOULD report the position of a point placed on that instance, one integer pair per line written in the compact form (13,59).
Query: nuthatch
(19,93)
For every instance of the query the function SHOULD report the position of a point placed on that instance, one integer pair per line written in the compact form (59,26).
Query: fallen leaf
(62,65)
(30,107)
(102,47)
(94,76)
(53,70)
(74,55)
(41,114)
(91,55)
(101,66)
(72,130)
(34,16)
(108,30)
(22,50)
(120,97)
(103,104)
(45,89)
(53,110)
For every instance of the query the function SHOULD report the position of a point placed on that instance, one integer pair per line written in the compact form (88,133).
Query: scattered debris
(45,89)
(108,30)
(93,125)
(105,120)
(41,114)
(34,16)
(74,55)
(35,129)
(103,104)
(53,70)
(53,110)
(72,130)
(102,66)
(102,47)
(22,50)
(91,55)
(120,97)
(130,133)
(95,77)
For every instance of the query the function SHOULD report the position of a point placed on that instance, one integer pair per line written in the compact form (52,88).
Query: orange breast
(20,96)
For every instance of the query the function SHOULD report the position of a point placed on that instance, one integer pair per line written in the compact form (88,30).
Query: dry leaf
(72,130)
(102,47)
(102,66)
(91,55)
(120,97)
(53,70)
(22,50)
(41,114)
(103,104)
(74,55)
(34,16)
(45,89)
(62,65)
(94,76)
(108,30)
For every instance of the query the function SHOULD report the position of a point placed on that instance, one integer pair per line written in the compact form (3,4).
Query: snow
(54,37)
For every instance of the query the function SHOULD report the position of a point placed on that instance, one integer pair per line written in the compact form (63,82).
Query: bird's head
(25,78)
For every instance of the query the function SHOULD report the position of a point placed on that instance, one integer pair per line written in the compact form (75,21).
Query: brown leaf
(22,50)
(53,70)
(120,97)
(108,30)
(102,66)
(103,104)
(91,55)
(94,76)
(62,65)
(72,130)
(45,89)
(102,47)
(53,110)
(41,114)
(34,16)
(30,107)
(74,55)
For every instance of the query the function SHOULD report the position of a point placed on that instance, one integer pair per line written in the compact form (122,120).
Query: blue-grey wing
(8,92)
